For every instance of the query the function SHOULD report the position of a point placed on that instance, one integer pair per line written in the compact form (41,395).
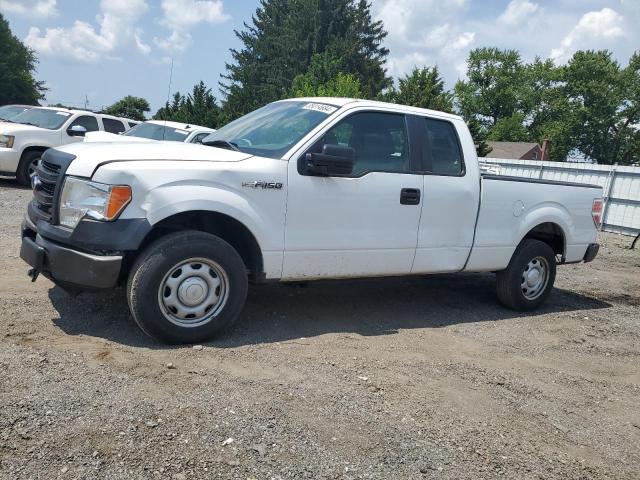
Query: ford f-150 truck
(314,188)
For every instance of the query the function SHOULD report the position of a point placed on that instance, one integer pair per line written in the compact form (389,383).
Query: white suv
(155,130)
(25,137)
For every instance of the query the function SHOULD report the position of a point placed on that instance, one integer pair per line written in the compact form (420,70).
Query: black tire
(509,282)
(152,268)
(23,176)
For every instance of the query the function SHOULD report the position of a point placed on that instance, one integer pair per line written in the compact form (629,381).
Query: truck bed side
(512,207)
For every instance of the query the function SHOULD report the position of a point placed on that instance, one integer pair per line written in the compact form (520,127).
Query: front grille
(50,173)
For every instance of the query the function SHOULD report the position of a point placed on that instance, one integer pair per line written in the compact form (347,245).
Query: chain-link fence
(621,185)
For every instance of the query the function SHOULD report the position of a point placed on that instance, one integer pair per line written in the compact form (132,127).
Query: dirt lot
(388,378)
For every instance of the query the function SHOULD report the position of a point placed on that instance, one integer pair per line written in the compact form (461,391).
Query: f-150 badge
(263,185)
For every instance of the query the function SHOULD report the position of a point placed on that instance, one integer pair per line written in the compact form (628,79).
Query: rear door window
(439,148)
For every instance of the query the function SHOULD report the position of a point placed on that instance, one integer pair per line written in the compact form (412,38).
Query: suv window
(113,126)
(379,140)
(86,121)
(440,148)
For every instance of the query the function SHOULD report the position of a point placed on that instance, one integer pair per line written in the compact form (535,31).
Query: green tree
(17,68)
(282,39)
(423,88)
(199,107)
(344,85)
(129,107)
(604,104)
(495,88)
(479,135)
(325,78)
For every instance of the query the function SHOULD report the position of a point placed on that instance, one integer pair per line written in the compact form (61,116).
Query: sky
(98,51)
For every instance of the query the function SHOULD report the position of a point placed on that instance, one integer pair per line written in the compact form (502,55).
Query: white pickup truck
(300,189)
(27,135)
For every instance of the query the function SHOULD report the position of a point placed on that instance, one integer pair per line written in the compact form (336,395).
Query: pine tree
(284,36)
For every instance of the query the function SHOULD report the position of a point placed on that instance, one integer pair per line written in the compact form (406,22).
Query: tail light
(596,212)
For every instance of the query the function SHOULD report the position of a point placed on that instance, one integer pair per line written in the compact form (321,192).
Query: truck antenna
(164,131)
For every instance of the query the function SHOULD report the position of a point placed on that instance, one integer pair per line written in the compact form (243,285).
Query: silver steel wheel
(535,278)
(32,167)
(193,292)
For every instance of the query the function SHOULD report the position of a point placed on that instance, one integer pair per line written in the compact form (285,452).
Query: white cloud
(591,30)
(182,15)
(30,8)
(425,33)
(518,11)
(84,43)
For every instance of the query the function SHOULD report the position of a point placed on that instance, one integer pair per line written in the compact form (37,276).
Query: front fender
(266,225)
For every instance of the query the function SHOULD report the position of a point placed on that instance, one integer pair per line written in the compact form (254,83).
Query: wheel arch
(550,233)
(224,226)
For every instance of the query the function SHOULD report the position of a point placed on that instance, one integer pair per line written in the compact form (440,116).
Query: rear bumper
(71,269)
(591,253)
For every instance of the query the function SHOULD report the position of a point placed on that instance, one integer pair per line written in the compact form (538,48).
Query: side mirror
(334,160)
(76,131)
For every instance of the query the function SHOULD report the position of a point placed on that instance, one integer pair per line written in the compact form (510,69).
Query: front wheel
(528,279)
(187,287)
(27,167)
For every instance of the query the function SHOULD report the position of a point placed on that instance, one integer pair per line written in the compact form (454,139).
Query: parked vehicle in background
(160,130)
(302,189)
(7,112)
(30,133)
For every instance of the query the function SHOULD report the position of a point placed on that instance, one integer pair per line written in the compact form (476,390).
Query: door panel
(355,226)
(450,198)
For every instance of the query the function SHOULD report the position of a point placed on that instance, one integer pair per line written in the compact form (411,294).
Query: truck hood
(8,128)
(89,156)
(112,137)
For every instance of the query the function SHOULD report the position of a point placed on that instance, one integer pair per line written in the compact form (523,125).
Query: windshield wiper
(222,144)
(29,123)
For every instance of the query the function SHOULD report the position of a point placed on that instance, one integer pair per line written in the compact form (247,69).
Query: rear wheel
(27,167)
(528,279)
(187,287)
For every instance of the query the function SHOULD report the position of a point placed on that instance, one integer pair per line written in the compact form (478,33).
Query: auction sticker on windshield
(320,107)
(64,114)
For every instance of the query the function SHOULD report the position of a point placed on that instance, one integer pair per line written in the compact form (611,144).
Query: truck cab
(300,189)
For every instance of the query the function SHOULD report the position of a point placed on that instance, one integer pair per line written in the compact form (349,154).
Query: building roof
(514,150)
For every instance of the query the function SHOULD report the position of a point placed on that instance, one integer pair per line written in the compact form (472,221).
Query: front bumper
(71,269)
(9,159)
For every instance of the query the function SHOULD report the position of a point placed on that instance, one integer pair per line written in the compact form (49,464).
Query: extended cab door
(362,224)
(451,193)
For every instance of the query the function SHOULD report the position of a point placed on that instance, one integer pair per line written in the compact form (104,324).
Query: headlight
(6,141)
(99,201)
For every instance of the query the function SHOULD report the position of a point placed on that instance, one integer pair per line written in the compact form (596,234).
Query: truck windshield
(272,130)
(155,131)
(42,117)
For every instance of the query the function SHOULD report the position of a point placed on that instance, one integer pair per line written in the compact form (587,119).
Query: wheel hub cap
(193,291)
(535,278)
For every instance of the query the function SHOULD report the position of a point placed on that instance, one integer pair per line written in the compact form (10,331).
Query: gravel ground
(388,378)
